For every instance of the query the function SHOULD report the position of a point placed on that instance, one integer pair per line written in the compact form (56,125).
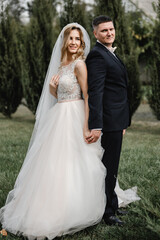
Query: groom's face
(105,33)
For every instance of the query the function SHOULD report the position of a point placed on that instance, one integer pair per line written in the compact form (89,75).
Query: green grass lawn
(139,165)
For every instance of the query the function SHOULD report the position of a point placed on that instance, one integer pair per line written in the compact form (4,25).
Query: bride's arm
(81,74)
(53,85)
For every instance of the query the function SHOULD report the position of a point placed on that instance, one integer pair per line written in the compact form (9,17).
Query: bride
(60,187)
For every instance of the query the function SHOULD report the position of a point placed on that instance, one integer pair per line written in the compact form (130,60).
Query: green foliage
(81,13)
(74,11)
(154,96)
(125,46)
(67,15)
(15,9)
(10,65)
(134,89)
(39,43)
(141,32)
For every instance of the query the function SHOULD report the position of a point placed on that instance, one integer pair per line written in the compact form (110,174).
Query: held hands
(92,136)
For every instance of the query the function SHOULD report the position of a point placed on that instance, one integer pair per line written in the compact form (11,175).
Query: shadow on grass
(18,119)
(148,128)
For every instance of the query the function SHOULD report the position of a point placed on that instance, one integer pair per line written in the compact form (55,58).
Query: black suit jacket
(107,89)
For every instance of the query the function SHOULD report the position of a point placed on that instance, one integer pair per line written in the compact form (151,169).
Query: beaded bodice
(68,88)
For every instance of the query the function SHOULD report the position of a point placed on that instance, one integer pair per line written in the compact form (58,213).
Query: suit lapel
(120,61)
(116,59)
(126,78)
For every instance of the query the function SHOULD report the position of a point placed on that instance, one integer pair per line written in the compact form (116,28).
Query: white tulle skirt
(60,188)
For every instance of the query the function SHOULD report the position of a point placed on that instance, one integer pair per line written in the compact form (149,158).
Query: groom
(109,107)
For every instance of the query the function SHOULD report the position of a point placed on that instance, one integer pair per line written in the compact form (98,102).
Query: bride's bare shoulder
(80,65)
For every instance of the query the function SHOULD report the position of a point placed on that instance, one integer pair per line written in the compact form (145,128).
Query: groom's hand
(124,131)
(94,136)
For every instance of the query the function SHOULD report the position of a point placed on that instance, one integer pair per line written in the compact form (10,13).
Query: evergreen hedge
(154,96)
(38,49)
(10,66)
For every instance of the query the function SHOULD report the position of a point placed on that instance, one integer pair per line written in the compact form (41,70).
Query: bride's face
(74,41)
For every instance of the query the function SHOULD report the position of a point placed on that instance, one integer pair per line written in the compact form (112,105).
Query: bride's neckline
(68,64)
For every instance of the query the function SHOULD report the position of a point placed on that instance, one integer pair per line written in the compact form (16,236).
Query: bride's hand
(94,136)
(54,81)
(3,232)
(86,134)
(53,85)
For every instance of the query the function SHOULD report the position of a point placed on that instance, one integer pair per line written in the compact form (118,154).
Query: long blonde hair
(80,52)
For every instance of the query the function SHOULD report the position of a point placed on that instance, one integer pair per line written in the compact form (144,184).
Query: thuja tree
(81,14)
(125,48)
(84,16)
(40,37)
(10,65)
(74,11)
(15,9)
(67,13)
(154,96)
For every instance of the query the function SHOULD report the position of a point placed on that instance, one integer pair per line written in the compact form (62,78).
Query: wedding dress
(60,188)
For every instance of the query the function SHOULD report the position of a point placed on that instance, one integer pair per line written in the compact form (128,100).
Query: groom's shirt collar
(111,49)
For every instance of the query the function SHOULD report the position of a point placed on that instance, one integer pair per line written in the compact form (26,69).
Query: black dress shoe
(121,212)
(113,220)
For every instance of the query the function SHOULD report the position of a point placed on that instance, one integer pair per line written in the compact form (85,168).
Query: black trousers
(111,142)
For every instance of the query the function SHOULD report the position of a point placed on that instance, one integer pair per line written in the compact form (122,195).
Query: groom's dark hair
(100,19)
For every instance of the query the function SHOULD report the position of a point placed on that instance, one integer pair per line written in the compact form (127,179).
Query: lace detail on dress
(68,88)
